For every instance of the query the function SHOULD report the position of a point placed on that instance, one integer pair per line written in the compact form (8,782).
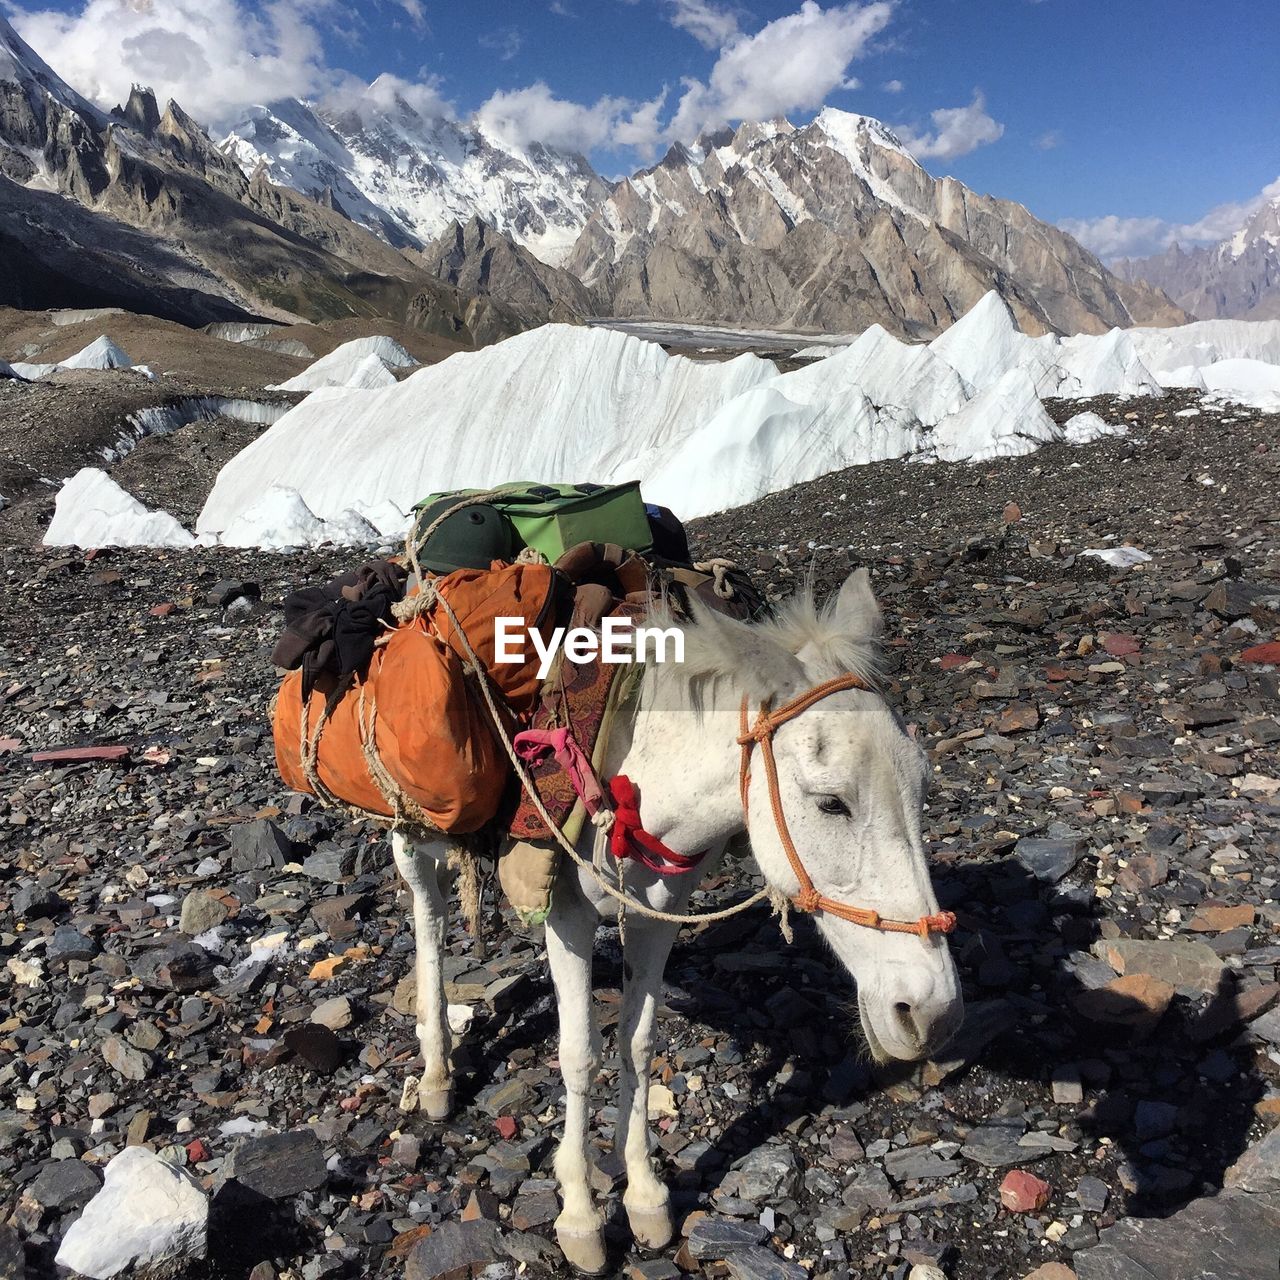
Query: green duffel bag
(550,518)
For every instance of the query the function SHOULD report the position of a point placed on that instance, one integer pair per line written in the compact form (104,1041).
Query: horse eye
(833,804)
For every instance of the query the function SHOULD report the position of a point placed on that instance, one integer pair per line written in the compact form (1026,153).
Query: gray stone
(1231,1236)
(1154,1120)
(259,846)
(1267,1027)
(1092,1194)
(984,1020)
(1049,860)
(13,1262)
(68,943)
(714,1238)
(997,1143)
(330,864)
(845,1147)
(1067,1089)
(962,1193)
(869,1190)
(768,1173)
(1232,599)
(125,1060)
(913,1163)
(508,1097)
(36,901)
(201,911)
(461,1247)
(1258,1169)
(334,1014)
(179,967)
(226,592)
(1180,962)
(534,1251)
(149,1215)
(63,1184)
(756,1263)
(279,1165)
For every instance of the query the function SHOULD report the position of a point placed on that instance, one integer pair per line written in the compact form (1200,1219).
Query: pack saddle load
(382,712)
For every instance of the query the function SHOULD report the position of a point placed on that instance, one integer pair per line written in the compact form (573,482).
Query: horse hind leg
(423,864)
(646,1200)
(570,935)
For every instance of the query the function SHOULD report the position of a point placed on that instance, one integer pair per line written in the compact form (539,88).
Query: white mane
(775,658)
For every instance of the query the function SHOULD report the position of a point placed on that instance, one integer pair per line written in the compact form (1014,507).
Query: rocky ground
(205,967)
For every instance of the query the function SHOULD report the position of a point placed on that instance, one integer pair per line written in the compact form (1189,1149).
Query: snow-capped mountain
(1236,279)
(835,226)
(410,176)
(138,207)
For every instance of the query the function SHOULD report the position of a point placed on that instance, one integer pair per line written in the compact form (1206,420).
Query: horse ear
(754,656)
(855,612)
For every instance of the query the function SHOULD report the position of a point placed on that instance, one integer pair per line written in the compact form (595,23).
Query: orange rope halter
(809,899)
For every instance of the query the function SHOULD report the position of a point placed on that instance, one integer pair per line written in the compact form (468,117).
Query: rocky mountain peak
(1238,278)
(140,111)
(736,228)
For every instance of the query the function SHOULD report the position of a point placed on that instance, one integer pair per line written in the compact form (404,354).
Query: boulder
(148,1215)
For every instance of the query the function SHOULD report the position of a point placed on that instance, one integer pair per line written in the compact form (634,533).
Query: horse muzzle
(910,1018)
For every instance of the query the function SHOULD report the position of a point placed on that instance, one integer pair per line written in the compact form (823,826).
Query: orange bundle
(413,740)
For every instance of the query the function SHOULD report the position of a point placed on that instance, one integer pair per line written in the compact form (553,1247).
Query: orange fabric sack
(429,729)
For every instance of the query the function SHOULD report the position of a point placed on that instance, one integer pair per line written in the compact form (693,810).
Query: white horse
(851,782)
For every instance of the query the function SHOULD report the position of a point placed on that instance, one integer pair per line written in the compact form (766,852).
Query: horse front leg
(571,929)
(424,866)
(647,1200)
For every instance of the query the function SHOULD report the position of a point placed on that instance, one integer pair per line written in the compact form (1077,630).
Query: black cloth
(333,628)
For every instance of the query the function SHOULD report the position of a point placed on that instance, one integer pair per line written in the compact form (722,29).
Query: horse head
(848,799)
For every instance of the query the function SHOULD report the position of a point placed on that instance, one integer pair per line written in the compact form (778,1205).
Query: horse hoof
(436,1104)
(651,1224)
(583,1251)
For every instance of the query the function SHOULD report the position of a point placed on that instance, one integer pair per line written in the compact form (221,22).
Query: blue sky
(1129,121)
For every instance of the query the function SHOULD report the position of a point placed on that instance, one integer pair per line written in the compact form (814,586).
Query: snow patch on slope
(101,353)
(568,403)
(363,364)
(280,518)
(91,510)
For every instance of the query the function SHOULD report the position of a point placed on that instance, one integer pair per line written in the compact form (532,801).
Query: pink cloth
(533,744)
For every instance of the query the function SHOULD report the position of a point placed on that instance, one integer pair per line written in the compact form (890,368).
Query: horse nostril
(905,1014)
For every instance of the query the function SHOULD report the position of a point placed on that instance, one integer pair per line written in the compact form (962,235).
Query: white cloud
(710,24)
(1113,237)
(791,64)
(213,56)
(417,14)
(893,86)
(425,96)
(505,42)
(641,130)
(536,114)
(1049,139)
(956,132)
